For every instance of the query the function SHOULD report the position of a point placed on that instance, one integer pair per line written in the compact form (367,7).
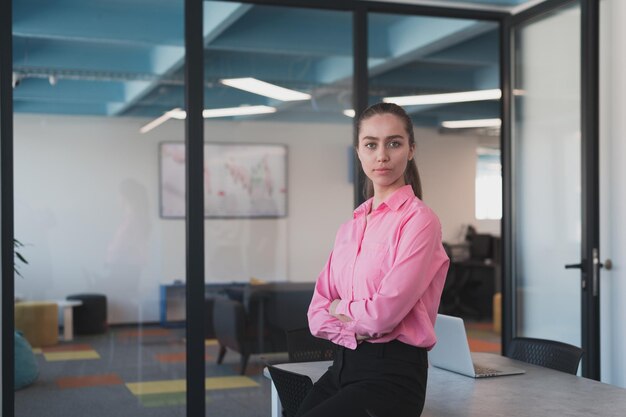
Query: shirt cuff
(347,338)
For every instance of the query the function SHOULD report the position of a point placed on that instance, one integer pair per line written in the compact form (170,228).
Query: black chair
(471,292)
(257,321)
(292,388)
(454,294)
(548,353)
(450,297)
(302,346)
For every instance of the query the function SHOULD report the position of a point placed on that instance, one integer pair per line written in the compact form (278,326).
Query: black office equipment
(481,247)
(549,353)
(470,283)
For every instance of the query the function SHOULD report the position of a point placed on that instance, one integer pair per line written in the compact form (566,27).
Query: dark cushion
(91,316)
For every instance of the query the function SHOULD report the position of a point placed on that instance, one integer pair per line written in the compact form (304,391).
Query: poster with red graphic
(240,180)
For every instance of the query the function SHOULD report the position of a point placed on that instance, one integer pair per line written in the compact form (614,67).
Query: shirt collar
(394,201)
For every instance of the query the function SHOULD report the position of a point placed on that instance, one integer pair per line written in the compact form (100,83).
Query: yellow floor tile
(71,356)
(179,385)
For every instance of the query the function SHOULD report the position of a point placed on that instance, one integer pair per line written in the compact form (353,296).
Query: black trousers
(375,380)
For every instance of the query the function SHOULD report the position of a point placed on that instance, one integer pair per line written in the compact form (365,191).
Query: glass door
(553,229)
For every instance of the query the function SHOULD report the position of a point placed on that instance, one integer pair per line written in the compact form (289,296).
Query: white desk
(68,317)
(538,392)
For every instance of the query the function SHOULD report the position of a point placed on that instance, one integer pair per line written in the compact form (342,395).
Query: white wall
(87,206)
(84,235)
(613,190)
(447,165)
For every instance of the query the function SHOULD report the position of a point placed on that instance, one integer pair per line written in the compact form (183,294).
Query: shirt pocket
(369,269)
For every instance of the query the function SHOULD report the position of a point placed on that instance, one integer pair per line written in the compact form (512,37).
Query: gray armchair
(257,320)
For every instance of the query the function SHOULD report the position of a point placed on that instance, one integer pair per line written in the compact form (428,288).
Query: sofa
(254,319)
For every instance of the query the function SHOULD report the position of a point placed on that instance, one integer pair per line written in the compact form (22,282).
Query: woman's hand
(344,318)
(340,317)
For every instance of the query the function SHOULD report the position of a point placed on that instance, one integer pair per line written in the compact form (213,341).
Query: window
(488,184)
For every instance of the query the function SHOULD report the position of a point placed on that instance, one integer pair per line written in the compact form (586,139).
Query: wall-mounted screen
(240,180)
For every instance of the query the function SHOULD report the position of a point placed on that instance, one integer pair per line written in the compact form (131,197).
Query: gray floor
(133,359)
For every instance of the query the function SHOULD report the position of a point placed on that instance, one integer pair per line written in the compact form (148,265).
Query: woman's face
(384,151)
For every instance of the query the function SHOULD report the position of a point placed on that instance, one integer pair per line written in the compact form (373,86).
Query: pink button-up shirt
(388,270)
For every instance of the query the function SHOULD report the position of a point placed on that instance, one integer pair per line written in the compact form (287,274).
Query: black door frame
(6,207)
(590,282)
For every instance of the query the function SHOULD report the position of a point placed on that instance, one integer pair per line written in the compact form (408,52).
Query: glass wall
(277,175)
(547,195)
(100,189)
(87,209)
(445,73)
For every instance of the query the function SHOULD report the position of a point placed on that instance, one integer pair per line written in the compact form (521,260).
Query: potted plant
(18,256)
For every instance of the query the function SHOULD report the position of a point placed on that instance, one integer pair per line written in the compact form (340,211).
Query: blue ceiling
(125,57)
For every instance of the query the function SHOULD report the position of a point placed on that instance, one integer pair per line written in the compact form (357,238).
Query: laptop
(452,352)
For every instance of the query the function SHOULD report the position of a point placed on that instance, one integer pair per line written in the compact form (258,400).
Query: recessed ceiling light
(172,114)
(209,113)
(237,111)
(460,97)
(262,88)
(467,124)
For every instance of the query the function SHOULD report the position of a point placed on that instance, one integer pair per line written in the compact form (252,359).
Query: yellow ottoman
(39,321)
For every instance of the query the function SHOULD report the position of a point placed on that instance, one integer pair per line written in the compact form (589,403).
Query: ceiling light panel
(460,97)
(262,88)
(468,124)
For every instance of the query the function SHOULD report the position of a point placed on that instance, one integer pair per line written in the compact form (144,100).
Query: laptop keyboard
(484,371)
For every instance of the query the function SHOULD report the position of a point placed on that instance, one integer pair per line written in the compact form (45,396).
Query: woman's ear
(411,151)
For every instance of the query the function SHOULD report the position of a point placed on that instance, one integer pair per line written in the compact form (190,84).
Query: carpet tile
(67,348)
(165,400)
(179,385)
(477,345)
(88,381)
(143,333)
(71,356)
(177,357)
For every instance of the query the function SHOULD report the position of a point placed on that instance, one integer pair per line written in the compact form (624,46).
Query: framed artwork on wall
(240,180)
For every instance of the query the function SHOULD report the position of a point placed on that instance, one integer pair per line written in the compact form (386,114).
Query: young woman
(378,295)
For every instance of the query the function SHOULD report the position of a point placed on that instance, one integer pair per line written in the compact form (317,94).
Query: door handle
(608,265)
(574,266)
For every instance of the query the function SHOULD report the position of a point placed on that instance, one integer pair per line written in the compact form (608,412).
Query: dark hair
(411,175)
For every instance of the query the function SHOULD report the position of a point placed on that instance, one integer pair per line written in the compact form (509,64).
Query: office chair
(449,296)
(302,346)
(548,353)
(292,388)
(458,282)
